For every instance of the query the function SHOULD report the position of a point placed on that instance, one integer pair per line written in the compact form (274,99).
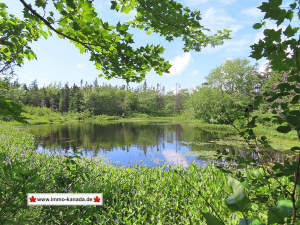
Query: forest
(250,182)
(231,85)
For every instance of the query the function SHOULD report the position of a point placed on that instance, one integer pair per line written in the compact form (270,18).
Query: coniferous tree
(34,96)
(76,99)
(64,99)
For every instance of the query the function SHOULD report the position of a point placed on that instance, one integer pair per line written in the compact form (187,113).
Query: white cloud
(195,2)
(216,19)
(230,46)
(80,66)
(234,28)
(252,12)
(236,45)
(195,72)
(174,158)
(213,16)
(179,63)
(227,2)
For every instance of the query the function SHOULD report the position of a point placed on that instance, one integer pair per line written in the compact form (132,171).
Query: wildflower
(233,216)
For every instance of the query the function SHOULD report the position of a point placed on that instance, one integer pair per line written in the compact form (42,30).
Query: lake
(126,144)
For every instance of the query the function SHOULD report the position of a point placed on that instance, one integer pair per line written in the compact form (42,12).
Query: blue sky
(60,61)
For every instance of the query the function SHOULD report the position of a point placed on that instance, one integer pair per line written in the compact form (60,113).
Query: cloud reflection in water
(174,158)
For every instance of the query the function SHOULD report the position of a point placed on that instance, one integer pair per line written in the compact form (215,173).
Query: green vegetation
(277,143)
(256,190)
(281,100)
(134,190)
(132,63)
(131,195)
(94,100)
(227,91)
(43,115)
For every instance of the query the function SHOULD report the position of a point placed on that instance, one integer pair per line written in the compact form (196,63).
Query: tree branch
(46,22)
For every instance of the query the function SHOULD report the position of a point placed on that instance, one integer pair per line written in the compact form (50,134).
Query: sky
(59,61)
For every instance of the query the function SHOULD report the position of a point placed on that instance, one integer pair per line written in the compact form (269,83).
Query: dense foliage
(228,90)
(95,99)
(281,46)
(79,22)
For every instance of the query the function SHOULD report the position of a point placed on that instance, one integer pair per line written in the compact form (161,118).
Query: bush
(139,115)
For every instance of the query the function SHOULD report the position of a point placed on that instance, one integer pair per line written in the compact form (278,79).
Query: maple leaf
(32,199)
(96,199)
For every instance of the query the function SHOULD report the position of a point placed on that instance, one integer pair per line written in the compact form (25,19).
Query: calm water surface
(127,144)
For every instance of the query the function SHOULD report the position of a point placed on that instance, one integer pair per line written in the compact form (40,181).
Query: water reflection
(132,143)
(175,158)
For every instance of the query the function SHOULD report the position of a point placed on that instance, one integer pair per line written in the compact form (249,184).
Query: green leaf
(59,6)
(105,25)
(70,3)
(257,26)
(284,129)
(293,5)
(258,100)
(238,201)
(75,25)
(273,34)
(114,5)
(283,210)
(257,50)
(295,99)
(50,19)
(284,86)
(293,120)
(2,5)
(126,9)
(289,31)
(251,124)
(45,34)
(254,221)
(295,149)
(41,3)
(211,219)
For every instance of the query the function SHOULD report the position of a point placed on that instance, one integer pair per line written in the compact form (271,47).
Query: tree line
(99,99)
(228,90)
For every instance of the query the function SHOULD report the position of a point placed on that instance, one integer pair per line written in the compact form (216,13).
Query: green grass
(271,131)
(42,115)
(212,127)
(133,118)
(277,143)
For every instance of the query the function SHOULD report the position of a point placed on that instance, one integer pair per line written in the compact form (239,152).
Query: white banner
(64,199)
